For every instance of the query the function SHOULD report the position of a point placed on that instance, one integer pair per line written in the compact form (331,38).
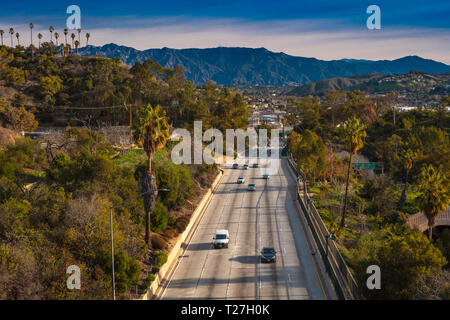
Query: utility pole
(131,123)
(112,253)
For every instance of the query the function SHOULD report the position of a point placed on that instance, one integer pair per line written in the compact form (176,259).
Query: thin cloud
(323,39)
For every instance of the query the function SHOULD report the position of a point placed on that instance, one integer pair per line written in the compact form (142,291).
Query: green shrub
(155,269)
(148,280)
(171,221)
(127,270)
(176,178)
(160,257)
(159,217)
(403,257)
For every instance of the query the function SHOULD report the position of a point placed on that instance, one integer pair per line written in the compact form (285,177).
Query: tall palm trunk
(147,185)
(344,211)
(31,42)
(431,222)
(403,197)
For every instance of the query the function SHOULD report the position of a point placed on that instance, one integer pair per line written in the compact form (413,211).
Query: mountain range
(413,81)
(248,66)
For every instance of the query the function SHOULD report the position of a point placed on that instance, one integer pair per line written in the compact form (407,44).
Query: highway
(265,217)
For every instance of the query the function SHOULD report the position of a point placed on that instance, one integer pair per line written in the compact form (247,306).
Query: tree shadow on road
(246,259)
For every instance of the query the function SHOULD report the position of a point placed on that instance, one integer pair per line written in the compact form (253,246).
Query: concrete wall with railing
(420,222)
(343,281)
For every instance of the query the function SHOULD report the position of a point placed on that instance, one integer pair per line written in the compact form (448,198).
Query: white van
(221,239)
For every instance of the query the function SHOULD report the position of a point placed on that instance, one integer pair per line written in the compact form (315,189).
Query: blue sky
(323,29)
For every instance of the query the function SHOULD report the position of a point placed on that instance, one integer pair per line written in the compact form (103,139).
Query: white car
(251,187)
(221,239)
(265,176)
(240,180)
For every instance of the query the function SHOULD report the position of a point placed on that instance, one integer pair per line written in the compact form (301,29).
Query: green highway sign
(364,165)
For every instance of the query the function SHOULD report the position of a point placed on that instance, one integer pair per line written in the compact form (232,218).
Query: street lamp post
(112,237)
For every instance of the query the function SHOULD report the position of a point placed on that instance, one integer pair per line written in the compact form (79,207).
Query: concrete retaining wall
(182,241)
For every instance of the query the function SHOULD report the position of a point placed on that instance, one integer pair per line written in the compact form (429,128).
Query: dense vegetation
(56,192)
(56,86)
(368,209)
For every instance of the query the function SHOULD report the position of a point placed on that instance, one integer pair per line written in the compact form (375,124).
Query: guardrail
(343,281)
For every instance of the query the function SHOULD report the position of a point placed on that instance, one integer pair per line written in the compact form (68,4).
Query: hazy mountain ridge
(378,83)
(245,66)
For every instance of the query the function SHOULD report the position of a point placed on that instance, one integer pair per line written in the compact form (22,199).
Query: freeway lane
(265,217)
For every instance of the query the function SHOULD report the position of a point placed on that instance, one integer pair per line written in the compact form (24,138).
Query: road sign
(364,165)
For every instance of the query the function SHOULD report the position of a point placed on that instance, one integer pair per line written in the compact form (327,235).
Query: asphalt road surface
(255,219)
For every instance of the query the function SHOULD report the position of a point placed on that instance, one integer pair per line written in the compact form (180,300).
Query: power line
(88,108)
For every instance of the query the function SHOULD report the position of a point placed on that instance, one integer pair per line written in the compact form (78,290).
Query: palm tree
(88,35)
(65,34)
(56,38)
(51,29)
(11,32)
(353,133)
(18,41)
(152,132)
(434,194)
(63,50)
(2,32)
(73,38)
(79,33)
(77,43)
(31,38)
(40,38)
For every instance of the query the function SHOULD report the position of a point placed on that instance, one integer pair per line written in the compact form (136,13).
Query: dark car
(255,165)
(268,254)
(235,166)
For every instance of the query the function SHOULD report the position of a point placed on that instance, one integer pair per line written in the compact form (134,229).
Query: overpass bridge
(419,220)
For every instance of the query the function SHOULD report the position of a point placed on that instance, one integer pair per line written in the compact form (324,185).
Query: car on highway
(221,239)
(240,180)
(251,187)
(245,166)
(268,254)
(265,176)
(255,165)
(235,166)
